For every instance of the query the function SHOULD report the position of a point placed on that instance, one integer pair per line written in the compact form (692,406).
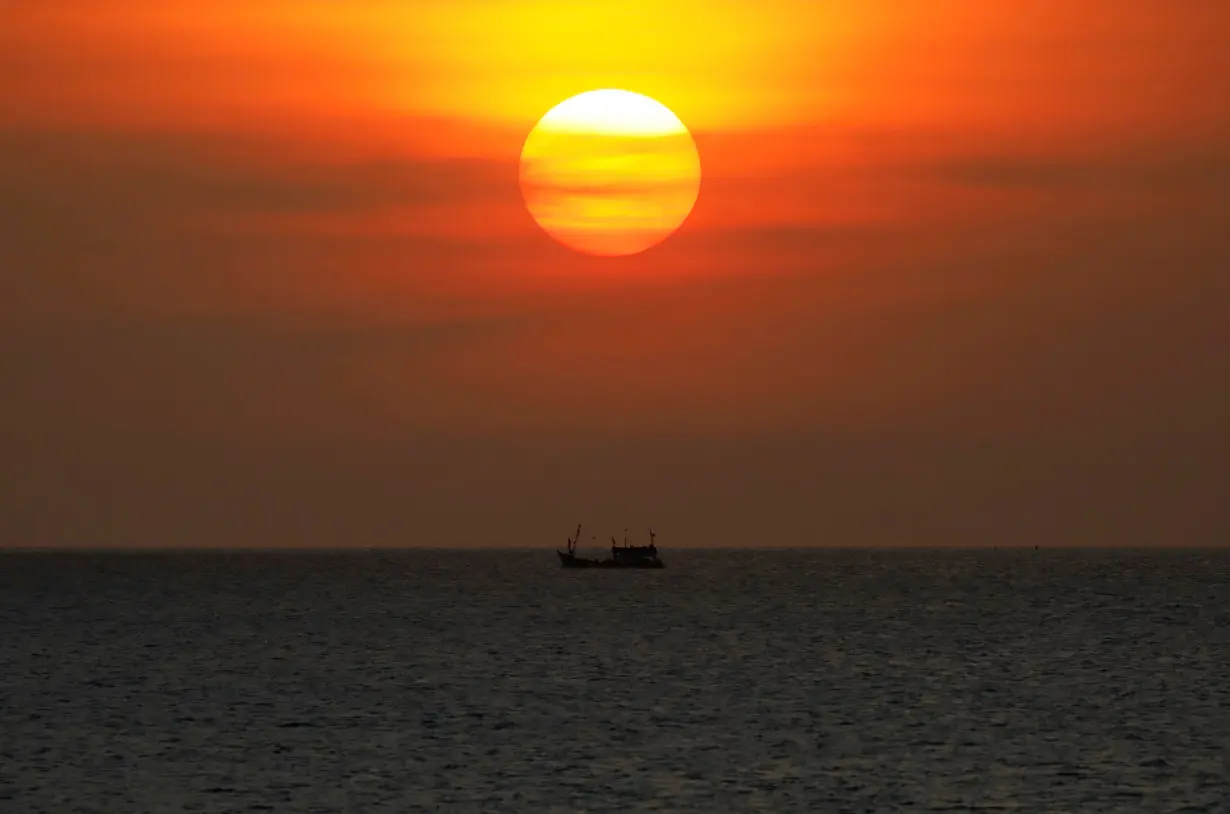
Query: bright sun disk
(610,172)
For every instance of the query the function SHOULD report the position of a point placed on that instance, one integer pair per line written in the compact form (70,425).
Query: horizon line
(336,548)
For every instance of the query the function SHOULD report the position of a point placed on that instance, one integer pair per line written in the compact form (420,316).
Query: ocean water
(824,681)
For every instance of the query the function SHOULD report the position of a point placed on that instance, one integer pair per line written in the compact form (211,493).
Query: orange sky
(287,237)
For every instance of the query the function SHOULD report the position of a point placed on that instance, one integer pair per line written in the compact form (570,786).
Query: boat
(625,556)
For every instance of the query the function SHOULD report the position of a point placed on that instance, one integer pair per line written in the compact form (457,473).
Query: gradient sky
(959,274)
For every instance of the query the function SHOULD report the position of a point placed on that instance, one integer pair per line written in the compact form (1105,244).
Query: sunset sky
(958,274)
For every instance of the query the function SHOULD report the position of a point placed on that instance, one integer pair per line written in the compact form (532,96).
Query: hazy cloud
(174,174)
(975,378)
(1169,168)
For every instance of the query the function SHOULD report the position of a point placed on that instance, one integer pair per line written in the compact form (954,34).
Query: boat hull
(573,561)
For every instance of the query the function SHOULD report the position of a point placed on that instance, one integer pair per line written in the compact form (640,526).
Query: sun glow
(610,172)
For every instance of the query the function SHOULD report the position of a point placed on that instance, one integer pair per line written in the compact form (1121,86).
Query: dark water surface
(731,681)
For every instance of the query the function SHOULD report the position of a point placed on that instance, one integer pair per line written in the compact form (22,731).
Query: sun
(610,172)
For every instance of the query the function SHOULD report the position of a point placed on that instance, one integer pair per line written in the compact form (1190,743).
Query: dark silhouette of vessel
(625,556)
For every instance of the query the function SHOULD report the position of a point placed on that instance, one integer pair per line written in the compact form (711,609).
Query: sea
(751,680)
